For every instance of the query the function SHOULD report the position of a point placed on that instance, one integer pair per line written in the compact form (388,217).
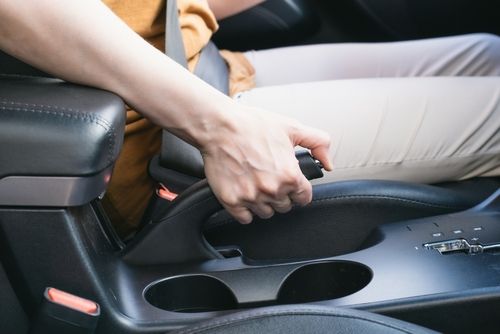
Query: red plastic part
(72,301)
(164,193)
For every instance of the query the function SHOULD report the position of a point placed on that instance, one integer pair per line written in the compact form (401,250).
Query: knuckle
(284,209)
(266,213)
(250,196)
(242,215)
(229,200)
(291,175)
(269,188)
(304,195)
(296,179)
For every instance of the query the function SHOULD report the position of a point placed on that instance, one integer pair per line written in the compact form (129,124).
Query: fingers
(268,207)
(262,210)
(282,205)
(317,141)
(303,194)
(280,197)
(261,176)
(241,214)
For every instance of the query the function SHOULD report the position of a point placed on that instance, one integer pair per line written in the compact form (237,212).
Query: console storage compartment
(58,141)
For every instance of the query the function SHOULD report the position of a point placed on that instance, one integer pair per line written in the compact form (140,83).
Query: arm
(84,42)
(226,8)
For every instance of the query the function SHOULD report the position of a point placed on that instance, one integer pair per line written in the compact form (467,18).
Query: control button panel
(460,245)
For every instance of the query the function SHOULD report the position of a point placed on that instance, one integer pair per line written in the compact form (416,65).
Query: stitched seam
(110,133)
(81,113)
(389,198)
(287,313)
(460,156)
(63,112)
(319,200)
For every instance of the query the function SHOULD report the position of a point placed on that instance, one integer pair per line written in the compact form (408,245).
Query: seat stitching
(110,133)
(61,111)
(86,114)
(319,200)
(406,200)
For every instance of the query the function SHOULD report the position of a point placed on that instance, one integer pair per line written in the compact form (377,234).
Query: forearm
(226,8)
(83,41)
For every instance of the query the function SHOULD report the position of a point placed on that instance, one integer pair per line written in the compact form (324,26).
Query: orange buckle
(166,194)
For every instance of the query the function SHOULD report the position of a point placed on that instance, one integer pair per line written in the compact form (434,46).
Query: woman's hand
(251,166)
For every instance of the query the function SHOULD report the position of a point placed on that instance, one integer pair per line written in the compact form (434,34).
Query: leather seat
(299,319)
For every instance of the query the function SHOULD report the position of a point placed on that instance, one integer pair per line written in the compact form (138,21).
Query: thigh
(414,129)
(467,55)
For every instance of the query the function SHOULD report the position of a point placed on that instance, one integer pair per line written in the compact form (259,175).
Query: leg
(415,129)
(467,55)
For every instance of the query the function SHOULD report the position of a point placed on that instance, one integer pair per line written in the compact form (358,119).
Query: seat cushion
(304,319)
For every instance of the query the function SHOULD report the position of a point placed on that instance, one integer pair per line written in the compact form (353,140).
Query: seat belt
(176,153)
(174,46)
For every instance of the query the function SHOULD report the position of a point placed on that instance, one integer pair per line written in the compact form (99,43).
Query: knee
(486,39)
(489,46)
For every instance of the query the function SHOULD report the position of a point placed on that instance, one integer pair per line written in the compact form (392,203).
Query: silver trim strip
(52,190)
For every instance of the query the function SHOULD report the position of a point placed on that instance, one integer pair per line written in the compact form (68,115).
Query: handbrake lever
(310,167)
(177,237)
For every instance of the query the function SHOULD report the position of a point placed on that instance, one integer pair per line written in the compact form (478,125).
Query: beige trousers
(423,111)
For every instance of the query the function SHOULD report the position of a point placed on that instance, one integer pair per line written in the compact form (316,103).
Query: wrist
(214,127)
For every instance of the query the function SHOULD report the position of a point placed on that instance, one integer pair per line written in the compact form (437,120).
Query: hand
(251,166)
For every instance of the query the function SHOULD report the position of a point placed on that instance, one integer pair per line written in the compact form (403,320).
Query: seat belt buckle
(62,312)
(164,193)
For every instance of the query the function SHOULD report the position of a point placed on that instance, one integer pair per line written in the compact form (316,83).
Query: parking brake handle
(177,237)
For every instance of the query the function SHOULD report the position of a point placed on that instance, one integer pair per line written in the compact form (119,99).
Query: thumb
(318,141)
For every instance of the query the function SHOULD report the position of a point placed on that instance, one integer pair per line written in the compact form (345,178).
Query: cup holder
(308,283)
(188,294)
(324,281)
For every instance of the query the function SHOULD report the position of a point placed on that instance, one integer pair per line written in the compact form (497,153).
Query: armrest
(58,141)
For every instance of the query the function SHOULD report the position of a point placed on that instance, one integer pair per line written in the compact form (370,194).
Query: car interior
(370,256)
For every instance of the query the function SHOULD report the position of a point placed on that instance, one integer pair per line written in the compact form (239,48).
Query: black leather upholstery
(299,319)
(342,218)
(52,128)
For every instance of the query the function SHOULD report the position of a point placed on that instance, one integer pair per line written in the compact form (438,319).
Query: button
(437,234)
(457,231)
(72,301)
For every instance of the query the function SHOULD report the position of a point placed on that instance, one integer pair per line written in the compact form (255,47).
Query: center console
(434,266)
(442,272)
